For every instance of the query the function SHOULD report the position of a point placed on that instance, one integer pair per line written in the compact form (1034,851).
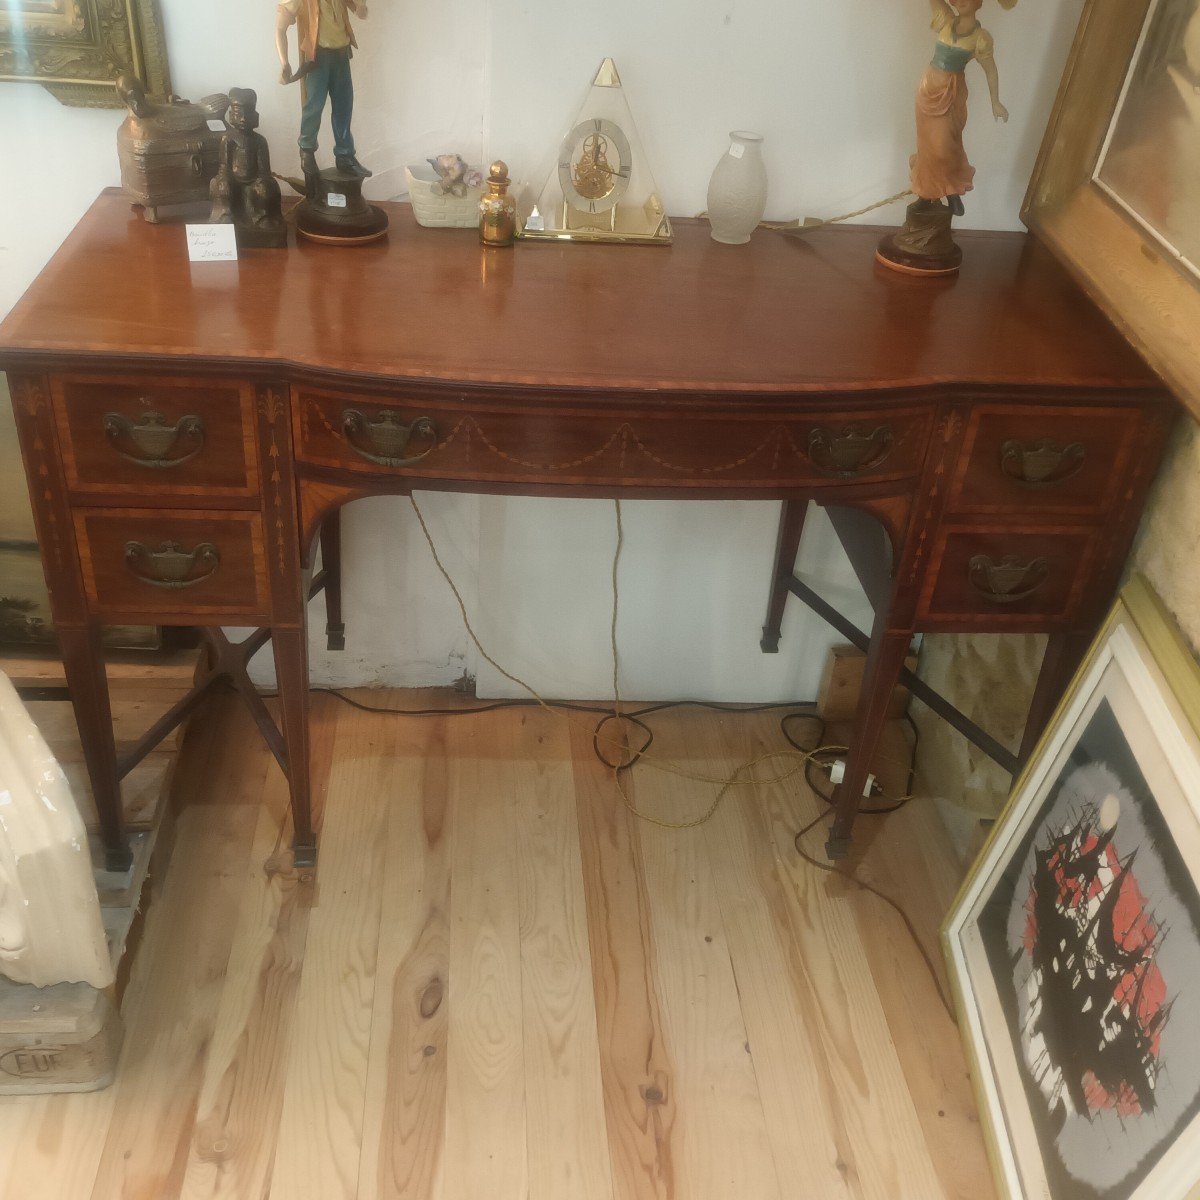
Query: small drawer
(153,565)
(543,442)
(1029,459)
(169,437)
(1017,577)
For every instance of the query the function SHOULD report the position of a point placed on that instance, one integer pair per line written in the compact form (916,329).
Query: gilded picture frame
(1124,249)
(77,48)
(1073,947)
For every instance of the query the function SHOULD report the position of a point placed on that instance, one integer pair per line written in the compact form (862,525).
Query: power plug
(837,772)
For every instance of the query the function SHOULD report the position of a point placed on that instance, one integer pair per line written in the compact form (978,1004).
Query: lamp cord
(742,776)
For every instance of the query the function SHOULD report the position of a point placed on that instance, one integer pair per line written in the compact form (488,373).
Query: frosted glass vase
(737,191)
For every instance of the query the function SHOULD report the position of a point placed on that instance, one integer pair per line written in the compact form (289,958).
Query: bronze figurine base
(268,236)
(335,212)
(925,245)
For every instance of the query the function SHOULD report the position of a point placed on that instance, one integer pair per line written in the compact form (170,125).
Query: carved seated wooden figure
(244,192)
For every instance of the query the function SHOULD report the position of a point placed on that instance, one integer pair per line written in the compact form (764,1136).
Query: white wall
(830,86)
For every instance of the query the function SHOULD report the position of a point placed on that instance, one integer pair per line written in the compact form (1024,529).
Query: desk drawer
(168,437)
(155,565)
(563,444)
(1034,460)
(996,578)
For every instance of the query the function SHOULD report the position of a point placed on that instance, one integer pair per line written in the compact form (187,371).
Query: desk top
(775,316)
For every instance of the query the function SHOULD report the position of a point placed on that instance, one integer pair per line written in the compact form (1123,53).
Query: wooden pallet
(141,688)
(66,1038)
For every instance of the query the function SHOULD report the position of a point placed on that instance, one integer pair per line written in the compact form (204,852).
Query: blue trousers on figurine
(329,78)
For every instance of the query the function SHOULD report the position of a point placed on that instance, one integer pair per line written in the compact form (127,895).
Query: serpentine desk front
(189,429)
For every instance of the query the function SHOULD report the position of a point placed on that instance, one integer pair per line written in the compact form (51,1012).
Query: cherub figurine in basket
(940,172)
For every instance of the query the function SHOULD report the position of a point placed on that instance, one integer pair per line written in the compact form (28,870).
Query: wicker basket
(440,212)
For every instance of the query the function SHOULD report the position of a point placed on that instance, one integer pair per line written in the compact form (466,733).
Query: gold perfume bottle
(497,209)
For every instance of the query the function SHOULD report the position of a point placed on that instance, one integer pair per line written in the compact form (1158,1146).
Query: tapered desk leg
(83,660)
(1064,652)
(331,563)
(885,659)
(291,670)
(787,546)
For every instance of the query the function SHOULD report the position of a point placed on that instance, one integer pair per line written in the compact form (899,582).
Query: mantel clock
(601,188)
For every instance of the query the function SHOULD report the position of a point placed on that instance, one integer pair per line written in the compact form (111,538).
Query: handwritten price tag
(211,243)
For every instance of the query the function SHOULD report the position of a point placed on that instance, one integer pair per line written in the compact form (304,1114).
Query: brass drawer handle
(387,438)
(153,439)
(1041,464)
(849,451)
(170,566)
(1006,581)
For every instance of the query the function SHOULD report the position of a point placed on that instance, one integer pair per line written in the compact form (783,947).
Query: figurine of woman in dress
(939,171)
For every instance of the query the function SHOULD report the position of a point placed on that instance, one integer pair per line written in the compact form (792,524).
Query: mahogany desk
(187,430)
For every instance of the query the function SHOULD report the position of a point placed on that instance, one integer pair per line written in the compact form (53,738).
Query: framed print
(1116,190)
(1150,161)
(77,48)
(1074,945)
(25,619)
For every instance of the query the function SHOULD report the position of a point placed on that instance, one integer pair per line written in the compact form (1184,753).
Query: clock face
(594,165)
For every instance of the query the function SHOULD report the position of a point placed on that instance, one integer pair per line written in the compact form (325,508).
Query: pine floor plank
(923,1033)
(168,1033)
(884,1155)
(636,1068)
(237,1120)
(774,984)
(403,1153)
(320,1128)
(50,1146)
(485,1089)
(724,1150)
(566,1131)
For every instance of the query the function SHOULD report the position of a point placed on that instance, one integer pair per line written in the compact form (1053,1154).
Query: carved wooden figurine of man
(326,43)
(243,191)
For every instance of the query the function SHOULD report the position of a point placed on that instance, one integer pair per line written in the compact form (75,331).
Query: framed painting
(25,619)
(77,48)
(1074,945)
(1116,190)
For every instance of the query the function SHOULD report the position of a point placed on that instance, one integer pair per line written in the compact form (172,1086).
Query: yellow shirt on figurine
(331,20)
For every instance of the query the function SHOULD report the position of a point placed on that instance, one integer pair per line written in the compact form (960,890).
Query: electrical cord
(895,905)
(807,758)
(813,758)
(569,705)
(877,810)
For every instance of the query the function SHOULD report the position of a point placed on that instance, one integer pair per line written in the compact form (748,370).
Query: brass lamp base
(925,245)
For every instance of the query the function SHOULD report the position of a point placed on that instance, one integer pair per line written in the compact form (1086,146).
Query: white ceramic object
(440,212)
(737,191)
(50,926)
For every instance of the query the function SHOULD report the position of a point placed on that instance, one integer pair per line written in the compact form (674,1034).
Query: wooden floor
(505,987)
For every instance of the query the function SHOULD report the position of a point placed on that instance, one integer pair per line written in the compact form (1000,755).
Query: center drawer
(569,444)
(173,567)
(168,437)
